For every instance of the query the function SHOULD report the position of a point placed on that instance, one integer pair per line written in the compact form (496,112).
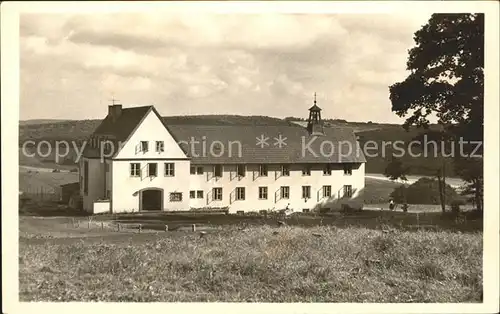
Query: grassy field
(39,184)
(60,261)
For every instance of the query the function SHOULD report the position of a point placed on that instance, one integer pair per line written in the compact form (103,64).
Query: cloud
(262,64)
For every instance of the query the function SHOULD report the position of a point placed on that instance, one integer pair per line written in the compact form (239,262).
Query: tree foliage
(446,72)
(395,170)
(424,191)
(446,80)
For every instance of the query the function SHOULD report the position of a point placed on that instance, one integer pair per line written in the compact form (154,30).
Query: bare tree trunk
(478,194)
(443,188)
(440,188)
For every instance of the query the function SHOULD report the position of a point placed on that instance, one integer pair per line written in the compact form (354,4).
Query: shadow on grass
(434,221)
(467,221)
(48,209)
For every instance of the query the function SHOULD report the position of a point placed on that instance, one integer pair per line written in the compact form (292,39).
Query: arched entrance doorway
(151,199)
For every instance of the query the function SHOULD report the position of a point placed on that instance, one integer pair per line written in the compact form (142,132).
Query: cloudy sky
(258,64)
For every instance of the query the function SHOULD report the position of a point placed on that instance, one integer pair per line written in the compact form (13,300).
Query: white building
(135,162)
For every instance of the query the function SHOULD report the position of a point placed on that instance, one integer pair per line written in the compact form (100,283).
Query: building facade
(135,162)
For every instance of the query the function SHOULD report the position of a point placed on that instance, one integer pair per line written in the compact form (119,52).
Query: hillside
(75,130)
(81,129)
(40,121)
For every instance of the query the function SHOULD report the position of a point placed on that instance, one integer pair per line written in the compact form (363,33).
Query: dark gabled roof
(247,136)
(123,127)
(295,137)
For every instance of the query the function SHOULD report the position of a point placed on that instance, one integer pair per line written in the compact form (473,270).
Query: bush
(424,191)
(455,205)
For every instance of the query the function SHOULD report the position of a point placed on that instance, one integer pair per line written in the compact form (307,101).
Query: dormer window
(240,169)
(327,171)
(347,170)
(306,171)
(285,170)
(218,171)
(144,146)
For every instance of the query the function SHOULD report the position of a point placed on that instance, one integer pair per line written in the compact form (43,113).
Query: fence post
(193,227)
(166,228)
(140,228)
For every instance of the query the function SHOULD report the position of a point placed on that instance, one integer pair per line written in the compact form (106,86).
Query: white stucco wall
(100,207)
(229,182)
(125,188)
(151,129)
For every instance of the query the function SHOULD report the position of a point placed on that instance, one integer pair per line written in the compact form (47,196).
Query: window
(144,146)
(306,171)
(217,194)
(347,190)
(263,170)
(262,192)
(86,177)
(306,192)
(169,169)
(285,192)
(192,194)
(347,170)
(327,170)
(240,194)
(327,190)
(176,197)
(152,169)
(160,147)
(199,194)
(218,171)
(196,170)
(240,170)
(135,169)
(285,170)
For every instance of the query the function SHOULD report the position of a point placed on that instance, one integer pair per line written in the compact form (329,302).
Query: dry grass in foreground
(320,264)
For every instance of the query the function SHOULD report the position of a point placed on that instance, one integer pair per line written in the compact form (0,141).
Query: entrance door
(152,200)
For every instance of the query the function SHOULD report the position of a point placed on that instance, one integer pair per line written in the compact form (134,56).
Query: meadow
(256,264)
(372,256)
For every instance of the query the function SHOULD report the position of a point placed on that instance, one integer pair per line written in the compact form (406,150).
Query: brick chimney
(114,111)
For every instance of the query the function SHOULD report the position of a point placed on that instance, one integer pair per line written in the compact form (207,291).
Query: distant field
(40,121)
(44,182)
(378,191)
(257,264)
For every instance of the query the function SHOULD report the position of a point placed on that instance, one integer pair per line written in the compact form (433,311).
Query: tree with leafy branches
(446,81)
